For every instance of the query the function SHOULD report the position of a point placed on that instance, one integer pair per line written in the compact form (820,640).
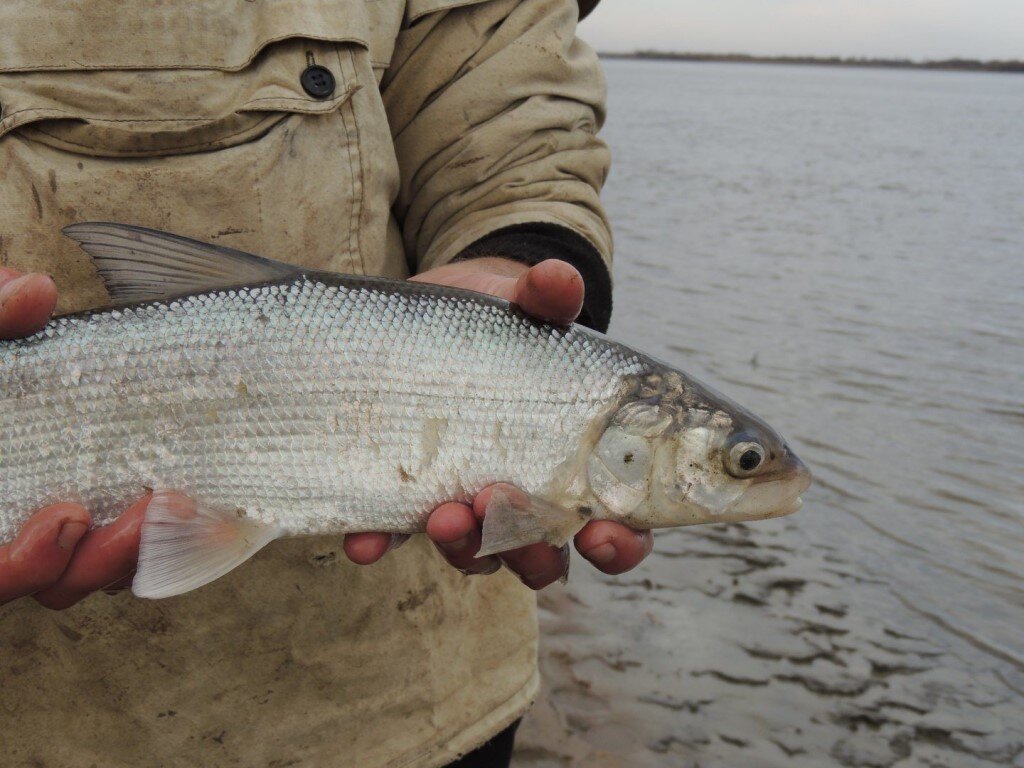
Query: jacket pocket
(156,80)
(144,113)
(241,152)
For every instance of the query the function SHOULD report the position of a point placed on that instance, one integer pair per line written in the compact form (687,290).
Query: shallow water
(840,250)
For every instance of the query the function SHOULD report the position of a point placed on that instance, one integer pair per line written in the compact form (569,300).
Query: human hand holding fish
(60,561)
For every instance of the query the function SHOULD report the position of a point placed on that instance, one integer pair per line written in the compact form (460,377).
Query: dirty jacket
(362,136)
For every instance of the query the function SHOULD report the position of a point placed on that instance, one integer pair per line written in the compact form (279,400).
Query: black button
(317,81)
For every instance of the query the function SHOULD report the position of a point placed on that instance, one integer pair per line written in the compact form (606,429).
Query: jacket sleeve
(494,109)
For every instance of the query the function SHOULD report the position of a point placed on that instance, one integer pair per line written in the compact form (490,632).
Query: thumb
(550,291)
(26,303)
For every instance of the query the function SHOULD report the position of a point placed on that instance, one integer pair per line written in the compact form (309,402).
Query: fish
(257,400)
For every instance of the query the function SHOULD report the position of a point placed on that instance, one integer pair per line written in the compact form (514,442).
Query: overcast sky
(919,29)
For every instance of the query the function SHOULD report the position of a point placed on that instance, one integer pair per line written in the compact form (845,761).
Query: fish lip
(790,469)
(793,471)
(804,476)
(776,495)
(795,506)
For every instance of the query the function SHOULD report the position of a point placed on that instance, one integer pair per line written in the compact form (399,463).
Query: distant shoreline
(958,65)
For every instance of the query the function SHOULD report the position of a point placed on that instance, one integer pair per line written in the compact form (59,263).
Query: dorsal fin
(140,264)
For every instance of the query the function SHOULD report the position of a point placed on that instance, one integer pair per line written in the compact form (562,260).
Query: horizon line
(956,64)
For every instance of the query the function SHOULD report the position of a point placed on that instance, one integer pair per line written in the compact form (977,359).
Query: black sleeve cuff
(535,242)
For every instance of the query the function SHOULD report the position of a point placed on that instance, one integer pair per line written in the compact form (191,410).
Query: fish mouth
(775,496)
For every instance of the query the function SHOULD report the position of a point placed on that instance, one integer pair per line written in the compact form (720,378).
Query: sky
(916,29)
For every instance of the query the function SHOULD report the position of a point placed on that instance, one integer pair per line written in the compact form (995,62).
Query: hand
(55,557)
(552,291)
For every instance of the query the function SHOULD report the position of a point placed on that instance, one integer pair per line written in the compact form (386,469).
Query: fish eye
(750,460)
(745,458)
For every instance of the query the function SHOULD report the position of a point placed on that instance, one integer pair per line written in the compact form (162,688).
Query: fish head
(675,452)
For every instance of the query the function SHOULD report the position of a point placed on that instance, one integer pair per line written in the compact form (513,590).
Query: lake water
(842,251)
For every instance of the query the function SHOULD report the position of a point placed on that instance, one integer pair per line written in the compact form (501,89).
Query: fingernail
(646,539)
(456,547)
(604,553)
(70,534)
(490,566)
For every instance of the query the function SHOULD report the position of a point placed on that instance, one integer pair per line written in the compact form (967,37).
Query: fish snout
(775,492)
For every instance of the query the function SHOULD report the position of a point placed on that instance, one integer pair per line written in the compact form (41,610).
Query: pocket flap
(153,112)
(155,34)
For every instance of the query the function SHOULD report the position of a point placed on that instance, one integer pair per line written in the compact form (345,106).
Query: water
(841,250)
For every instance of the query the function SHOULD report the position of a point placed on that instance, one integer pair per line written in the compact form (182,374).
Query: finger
(551,291)
(26,303)
(537,565)
(494,275)
(104,557)
(612,547)
(455,531)
(42,550)
(367,548)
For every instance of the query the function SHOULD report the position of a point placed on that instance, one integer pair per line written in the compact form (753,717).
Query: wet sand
(746,645)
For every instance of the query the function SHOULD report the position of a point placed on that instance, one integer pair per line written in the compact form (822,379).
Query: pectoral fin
(186,545)
(515,519)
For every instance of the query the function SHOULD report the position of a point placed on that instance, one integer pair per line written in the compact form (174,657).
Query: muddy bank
(753,646)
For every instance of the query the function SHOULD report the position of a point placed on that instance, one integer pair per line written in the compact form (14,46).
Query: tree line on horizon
(965,65)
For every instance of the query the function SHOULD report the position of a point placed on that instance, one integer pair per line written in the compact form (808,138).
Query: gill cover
(621,465)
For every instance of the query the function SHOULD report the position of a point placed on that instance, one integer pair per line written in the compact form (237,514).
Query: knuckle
(35,583)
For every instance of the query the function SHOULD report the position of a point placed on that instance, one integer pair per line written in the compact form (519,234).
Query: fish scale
(304,403)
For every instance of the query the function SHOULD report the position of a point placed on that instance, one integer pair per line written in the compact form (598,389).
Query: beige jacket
(448,119)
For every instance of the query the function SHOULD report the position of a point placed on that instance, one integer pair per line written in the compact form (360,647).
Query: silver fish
(261,400)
